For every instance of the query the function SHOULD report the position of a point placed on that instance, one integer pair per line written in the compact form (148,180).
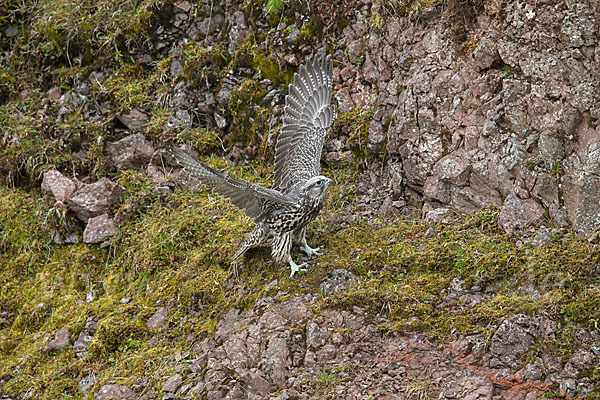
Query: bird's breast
(289,218)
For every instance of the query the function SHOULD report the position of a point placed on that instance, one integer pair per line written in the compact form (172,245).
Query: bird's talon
(297,268)
(310,251)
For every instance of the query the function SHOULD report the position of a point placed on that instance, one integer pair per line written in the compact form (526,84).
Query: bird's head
(316,187)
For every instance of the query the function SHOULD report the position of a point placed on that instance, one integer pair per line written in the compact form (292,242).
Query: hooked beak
(328,182)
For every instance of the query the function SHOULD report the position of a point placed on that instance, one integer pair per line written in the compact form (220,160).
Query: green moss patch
(60,29)
(250,112)
(354,124)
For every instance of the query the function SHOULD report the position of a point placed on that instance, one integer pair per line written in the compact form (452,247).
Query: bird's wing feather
(245,195)
(307,117)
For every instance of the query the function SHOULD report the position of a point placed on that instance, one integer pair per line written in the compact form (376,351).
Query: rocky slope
(115,279)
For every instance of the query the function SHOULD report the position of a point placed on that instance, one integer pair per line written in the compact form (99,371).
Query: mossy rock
(116,332)
(249,55)
(204,67)
(250,113)
(355,125)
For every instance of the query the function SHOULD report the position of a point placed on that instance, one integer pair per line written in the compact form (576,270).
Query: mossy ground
(179,246)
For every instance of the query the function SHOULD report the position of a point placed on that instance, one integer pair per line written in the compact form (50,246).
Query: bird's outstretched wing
(307,118)
(247,196)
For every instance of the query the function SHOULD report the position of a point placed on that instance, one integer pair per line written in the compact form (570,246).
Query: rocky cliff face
(504,115)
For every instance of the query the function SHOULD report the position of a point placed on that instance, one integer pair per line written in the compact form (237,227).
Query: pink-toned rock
(115,392)
(485,53)
(436,189)
(276,359)
(580,184)
(135,120)
(237,352)
(183,5)
(291,59)
(344,100)
(327,353)
(95,199)
(54,93)
(437,215)
(512,338)
(99,228)
(314,335)
(227,325)
(58,186)
(60,341)
(355,49)
(80,347)
(132,151)
(254,382)
(157,320)
(172,384)
(454,168)
(517,214)
(582,200)
(369,69)
(294,309)
(377,136)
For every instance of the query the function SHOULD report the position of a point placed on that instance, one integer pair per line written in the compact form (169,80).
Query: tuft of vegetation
(203,66)
(129,86)
(419,388)
(407,8)
(274,7)
(250,113)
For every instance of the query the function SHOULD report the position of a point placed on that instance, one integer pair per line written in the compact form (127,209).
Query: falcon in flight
(283,212)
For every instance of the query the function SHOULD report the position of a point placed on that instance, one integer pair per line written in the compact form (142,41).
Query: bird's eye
(319,183)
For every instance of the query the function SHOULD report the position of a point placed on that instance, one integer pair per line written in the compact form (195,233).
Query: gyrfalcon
(283,212)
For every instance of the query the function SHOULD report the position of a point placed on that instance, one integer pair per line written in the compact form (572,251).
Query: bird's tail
(255,238)
(241,251)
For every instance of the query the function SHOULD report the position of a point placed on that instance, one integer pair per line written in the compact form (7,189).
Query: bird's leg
(307,249)
(235,269)
(295,267)
(280,250)
(300,238)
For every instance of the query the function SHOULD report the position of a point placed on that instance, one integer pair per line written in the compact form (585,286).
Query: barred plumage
(282,213)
